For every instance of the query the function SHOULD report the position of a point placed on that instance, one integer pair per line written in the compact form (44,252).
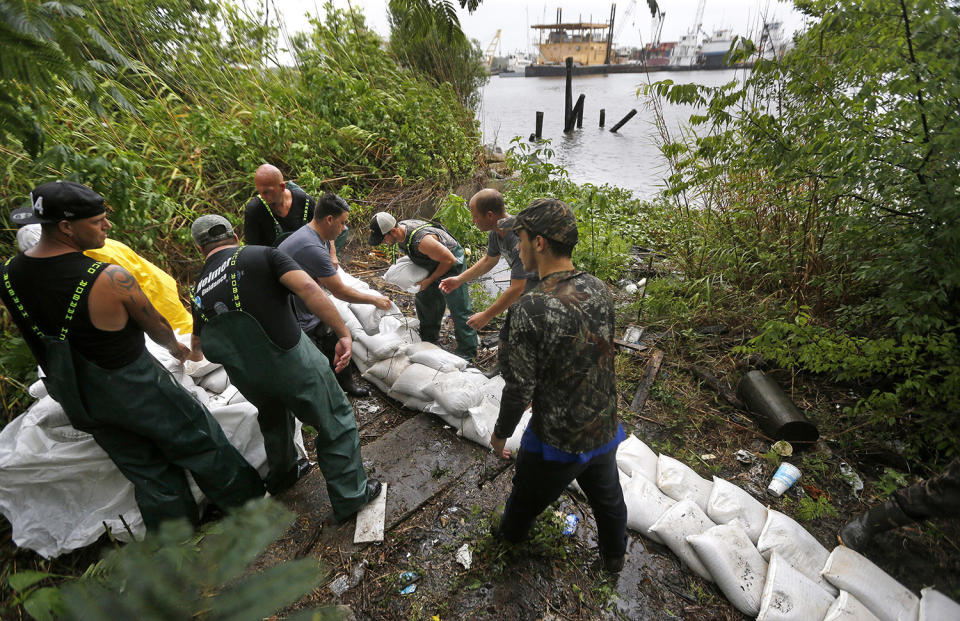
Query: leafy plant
(810,509)
(179,574)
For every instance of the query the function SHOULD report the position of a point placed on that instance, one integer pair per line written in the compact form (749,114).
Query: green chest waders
(148,425)
(431,302)
(287,383)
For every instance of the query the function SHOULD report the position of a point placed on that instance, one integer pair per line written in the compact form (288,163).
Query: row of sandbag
(60,489)
(767,564)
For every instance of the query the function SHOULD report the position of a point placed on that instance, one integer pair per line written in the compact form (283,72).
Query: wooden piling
(539,131)
(576,115)
(579,109)
(624,120)
(568,101)
(603,117)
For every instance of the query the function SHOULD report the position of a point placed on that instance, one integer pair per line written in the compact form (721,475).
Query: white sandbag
(734,563)
(679,481)
(369,316)
(479,423)
(201,395)
(513,442)
(634,457)
(405,274)
(360,356)
(788,595)
(848,608)
(438,359)
(388,370)
(729,502)
(406,328)
(935,606)
(201,368)
(351,321)
(889,600)
(680,521)
(37,390)
(645,504)
(352,281)
(454,392)
(414,379)
(216,381)
(782,534)
(492,389)
(380,346)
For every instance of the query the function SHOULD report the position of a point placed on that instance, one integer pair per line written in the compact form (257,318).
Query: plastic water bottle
(570,524)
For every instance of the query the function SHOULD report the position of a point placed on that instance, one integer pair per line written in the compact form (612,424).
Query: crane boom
(492,49)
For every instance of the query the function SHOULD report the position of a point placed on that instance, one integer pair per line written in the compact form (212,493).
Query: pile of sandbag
(765,563)
(59,487)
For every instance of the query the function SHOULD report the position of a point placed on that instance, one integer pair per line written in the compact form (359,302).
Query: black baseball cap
(59,200)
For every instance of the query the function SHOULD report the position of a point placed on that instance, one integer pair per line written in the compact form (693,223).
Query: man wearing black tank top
(84,321)
(278,209)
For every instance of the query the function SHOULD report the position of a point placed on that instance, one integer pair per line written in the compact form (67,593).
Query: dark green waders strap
(281,234)
(61,377)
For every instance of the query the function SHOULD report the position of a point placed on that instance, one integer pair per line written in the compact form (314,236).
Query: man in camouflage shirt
(558,354)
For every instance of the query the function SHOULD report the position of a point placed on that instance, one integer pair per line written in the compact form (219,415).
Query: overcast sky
(513,18)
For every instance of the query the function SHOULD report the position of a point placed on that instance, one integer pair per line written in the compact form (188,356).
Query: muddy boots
(858,531)
(328,345)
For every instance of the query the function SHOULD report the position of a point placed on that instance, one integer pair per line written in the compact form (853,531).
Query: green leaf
(23,580)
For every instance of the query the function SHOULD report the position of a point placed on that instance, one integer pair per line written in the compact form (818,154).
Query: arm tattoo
(121,279)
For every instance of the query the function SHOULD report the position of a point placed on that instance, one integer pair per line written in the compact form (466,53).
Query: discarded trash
(408,576)
(785,476)
(340,585)
(630,288)
(782,448)
(407,590)
(708,457)
(464,556)
(570,524)
(744,456)
(778,416)
(852,478)
(633,334)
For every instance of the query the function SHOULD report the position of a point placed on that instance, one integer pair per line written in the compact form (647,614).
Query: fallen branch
(649,375)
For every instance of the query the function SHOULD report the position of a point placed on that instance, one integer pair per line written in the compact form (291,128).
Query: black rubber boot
(858,531)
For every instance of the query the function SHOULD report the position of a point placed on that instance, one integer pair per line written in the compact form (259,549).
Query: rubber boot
(328,345)
(858,531)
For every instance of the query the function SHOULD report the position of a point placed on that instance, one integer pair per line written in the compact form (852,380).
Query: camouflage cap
(547,217)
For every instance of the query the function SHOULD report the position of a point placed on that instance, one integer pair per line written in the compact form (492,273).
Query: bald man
(278,209)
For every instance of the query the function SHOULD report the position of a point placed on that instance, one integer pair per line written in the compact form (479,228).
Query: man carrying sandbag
(84,321)
(430,246)
(242,317)
(311,248)
(559,355)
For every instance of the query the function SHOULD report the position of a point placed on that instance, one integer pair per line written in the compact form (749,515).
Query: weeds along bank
(167,109)
(817,204)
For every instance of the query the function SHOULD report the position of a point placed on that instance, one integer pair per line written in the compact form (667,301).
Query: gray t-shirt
(508,248)
(312,253)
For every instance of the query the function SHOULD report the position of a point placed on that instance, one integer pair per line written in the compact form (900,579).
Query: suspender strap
(276,223)
(234,289)
(406,247)
(79,293)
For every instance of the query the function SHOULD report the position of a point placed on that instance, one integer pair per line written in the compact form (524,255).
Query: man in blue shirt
(311,247)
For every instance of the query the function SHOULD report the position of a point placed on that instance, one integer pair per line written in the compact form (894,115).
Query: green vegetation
(816,203)
(167,109)
(181,574)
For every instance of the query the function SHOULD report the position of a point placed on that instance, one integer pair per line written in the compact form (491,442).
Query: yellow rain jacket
(159,286)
